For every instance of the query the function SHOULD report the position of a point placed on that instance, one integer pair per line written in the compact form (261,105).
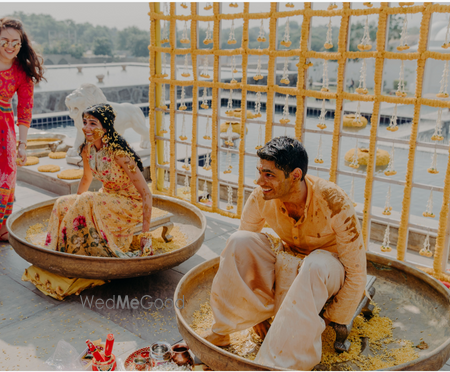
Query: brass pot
(181,354)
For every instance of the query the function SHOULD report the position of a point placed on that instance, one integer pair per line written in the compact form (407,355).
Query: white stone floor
(31,324)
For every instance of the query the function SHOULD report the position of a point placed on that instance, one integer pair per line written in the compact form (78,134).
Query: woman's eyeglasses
(13,44)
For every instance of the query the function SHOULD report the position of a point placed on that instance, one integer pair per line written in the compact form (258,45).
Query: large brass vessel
(188,218)
(418,304)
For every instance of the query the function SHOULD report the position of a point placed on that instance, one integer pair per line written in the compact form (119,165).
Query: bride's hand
(146,246)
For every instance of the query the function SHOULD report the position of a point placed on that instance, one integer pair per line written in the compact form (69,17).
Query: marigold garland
(173,42)
(215,108)
(440,247)
(194,197)
(154,32)
(406,203)
(240,193)
(302,74)
(271,77)
(379,62)
(342,46)
(303,54)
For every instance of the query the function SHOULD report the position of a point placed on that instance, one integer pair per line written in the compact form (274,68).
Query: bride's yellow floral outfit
(97,223)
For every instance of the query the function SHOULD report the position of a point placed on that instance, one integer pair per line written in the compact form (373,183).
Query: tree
(139,46)
(225,33)
(63,37)
(201,38)
(38,26)
(102,46)
(90,33)
(319,35)
(294,35)
(395,29)
(76,50)
(357,33)
(127,37)
(253,43)
(395,26)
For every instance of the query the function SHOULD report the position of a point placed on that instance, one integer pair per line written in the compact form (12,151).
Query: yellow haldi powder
(377,331)
(159,245)
(245,344)
(36,234)
(33,230)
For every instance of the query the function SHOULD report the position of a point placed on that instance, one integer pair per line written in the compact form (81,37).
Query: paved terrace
(31,324)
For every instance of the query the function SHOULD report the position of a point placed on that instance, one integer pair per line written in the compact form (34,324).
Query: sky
(112,14)
(126,14)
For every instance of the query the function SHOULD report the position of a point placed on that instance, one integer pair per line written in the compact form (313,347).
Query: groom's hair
(287,153)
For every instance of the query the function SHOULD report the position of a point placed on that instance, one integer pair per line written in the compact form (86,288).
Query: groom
(315,220)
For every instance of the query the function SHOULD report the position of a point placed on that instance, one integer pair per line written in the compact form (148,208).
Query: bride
(103,223)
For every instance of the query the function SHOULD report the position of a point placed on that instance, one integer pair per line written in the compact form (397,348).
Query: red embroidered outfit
(11,81)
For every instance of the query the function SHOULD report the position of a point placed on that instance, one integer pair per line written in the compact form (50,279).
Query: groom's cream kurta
(253,283)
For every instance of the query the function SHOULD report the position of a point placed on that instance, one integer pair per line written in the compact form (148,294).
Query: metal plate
(43,150)
(418,304)
(188,218)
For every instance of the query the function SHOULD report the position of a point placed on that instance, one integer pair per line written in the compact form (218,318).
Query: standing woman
(20,69)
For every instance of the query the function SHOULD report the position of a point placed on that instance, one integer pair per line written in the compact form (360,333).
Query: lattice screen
(208,91)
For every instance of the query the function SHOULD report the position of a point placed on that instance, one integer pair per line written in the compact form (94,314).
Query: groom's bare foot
(216,339)
(262,328)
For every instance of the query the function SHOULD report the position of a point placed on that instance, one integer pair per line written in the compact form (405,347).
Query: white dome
(438,31)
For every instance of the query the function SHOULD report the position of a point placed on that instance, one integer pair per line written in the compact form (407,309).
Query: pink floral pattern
(64,234)
(48,239)
(104,236)
(79,223)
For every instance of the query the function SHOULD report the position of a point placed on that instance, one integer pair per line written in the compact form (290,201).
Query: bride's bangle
(22,143)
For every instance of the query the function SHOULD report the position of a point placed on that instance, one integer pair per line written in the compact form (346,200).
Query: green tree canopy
(68,37)
(102,46)
(139,45)
(62,37)
(357,33)
(64,47)
(127,37)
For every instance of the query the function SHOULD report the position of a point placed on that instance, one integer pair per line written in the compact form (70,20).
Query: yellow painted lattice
(300,92)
